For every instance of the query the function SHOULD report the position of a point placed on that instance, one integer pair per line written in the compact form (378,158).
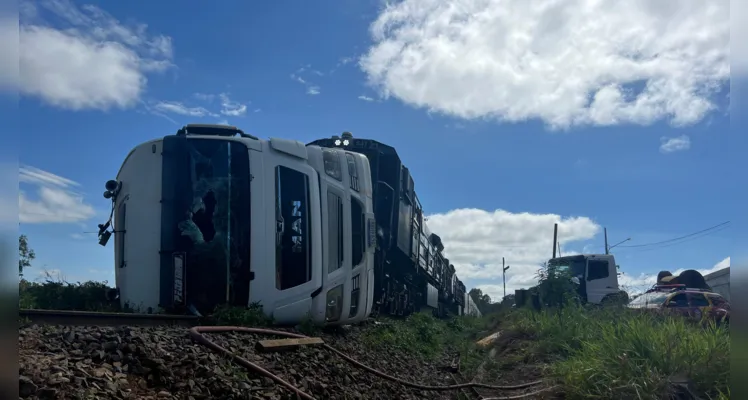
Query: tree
(25,254)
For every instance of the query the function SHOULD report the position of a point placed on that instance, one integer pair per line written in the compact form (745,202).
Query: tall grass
(626,354)
(425,337)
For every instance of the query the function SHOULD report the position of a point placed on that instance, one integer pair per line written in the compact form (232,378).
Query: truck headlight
(334,304)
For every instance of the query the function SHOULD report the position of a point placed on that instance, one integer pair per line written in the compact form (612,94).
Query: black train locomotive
(411,273)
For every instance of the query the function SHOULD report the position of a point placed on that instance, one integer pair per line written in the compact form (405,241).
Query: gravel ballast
(69,362)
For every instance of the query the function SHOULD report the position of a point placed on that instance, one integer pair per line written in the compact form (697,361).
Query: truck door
(599,280)
(297,243)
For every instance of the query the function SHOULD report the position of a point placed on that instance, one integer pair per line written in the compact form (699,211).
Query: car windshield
(576,265)
(650,298)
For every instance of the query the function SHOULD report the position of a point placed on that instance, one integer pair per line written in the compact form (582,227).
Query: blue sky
(511,116)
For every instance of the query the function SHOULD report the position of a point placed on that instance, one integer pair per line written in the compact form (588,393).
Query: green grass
(251,316)
(424,337)
(624,354)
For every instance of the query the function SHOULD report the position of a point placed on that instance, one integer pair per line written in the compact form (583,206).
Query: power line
(687,239)
(678,238)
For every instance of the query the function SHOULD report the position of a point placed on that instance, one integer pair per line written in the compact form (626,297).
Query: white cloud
(204,97)
(365,98)
(231,108)
(228,107)
(566,63)
(175,107)
(312,90)
(673,144)
(93,62)
(476,240)
(56,201)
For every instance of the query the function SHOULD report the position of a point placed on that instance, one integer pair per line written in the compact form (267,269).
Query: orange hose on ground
(196,333)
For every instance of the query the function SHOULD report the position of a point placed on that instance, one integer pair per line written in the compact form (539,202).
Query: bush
(61,295)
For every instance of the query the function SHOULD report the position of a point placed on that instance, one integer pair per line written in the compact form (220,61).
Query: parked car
(689,302)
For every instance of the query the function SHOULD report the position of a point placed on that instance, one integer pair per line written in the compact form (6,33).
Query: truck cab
(212,215)
(596,275)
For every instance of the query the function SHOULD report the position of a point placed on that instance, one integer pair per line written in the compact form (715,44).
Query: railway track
(83,318)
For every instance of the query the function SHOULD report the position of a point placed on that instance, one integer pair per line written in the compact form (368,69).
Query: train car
(212,215)
(410,270)
(470,307)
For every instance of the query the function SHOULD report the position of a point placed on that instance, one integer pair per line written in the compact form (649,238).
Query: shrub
(61,295)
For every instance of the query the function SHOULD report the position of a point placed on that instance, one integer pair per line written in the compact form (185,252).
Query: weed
(424,337)
(308,327)
(252,316)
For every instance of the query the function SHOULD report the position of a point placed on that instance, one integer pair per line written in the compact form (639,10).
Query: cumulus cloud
(56,201)
(365,98)
(574,62)
(90,61)
(476,240)
(673,144)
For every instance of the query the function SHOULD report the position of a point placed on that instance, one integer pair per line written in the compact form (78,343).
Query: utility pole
(607,250)
(555,239)
(503,273)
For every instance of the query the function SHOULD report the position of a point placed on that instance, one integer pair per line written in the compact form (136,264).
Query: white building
(720,282)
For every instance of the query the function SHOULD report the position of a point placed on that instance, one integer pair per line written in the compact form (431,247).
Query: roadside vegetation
(57,294)
(591,352)
(614,352)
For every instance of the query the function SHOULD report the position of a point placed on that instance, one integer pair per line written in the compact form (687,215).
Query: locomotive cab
(212,216)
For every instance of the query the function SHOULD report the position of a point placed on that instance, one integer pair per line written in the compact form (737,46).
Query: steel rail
(89,318)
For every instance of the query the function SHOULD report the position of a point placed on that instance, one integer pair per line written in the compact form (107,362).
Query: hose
(196,333)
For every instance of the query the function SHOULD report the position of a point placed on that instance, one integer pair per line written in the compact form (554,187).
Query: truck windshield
(576,265)
(206,187)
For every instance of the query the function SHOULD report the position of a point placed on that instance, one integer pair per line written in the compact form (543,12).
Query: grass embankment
(619,353)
